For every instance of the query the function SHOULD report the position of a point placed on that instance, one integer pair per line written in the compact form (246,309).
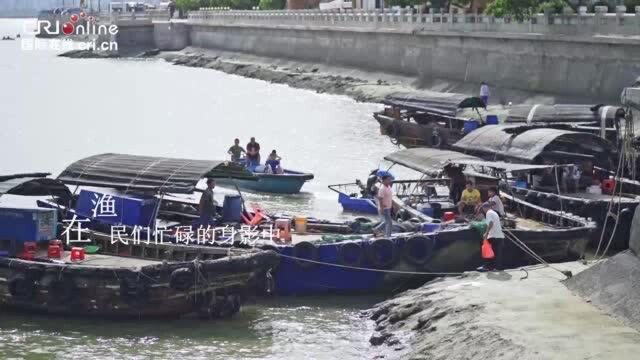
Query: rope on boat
(519,243)
(387,271)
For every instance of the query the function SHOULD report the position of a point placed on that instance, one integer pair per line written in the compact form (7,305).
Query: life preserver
(418,250)
(305,250)
(382,253)
(350,253)
(22,287)
(181,279)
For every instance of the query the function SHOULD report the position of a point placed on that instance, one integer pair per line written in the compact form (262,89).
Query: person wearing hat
(385,204)
(495,236)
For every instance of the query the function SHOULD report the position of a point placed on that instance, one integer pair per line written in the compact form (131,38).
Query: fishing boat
(289,182)
(439,121)
(362,263)
(84,276)
(601,193)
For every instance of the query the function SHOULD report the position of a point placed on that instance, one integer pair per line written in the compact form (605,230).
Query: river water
(56,110)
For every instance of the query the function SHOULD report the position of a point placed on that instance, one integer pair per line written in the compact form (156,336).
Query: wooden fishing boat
(289,182)
(439,121)
(152,280)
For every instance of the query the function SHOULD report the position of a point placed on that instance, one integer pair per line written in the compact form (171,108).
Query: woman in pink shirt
(385,204)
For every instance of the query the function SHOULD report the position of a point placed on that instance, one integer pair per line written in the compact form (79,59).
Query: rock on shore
(500,316)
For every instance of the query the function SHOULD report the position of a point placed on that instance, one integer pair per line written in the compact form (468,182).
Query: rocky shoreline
(500,316)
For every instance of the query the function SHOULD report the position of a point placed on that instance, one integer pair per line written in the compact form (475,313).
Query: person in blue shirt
(273,163)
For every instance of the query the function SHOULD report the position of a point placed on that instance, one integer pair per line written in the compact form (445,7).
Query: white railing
(582,23)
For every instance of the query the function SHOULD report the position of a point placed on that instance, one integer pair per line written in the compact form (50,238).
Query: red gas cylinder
(77,254)
(608,185)
(54,252)
(56,242)
(30,247)
(449,215)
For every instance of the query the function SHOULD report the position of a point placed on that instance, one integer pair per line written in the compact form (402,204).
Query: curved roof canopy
(426,160)
(528,145)
(442,103)
(148,173)
(33,184)
(561,113)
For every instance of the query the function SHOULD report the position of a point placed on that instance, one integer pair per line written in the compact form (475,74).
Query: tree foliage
(233,4)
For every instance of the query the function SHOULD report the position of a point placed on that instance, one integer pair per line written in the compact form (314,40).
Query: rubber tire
(426,242)
(374,248)
(134,291)
(344,248)
(21,287)
(312,248)
(182,279)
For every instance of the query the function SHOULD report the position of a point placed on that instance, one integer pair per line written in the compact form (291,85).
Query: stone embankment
(500,316)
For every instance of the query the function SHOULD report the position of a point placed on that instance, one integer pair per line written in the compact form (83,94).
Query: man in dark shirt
(253,153)
(236,150)
(207,207)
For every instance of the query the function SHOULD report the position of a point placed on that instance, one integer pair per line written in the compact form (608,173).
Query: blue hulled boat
(289,182)
(350,200)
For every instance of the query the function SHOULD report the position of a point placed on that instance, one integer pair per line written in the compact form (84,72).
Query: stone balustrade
(580,24)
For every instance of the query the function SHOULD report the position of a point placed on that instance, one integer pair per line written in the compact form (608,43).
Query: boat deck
(98,260)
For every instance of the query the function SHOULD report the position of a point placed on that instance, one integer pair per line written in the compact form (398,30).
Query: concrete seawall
(595,68)
(588,66)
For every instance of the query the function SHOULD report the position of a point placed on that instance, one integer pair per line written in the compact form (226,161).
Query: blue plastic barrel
(427,211)
(492,119)
(232,208)
(430,227)
(469,126)
(522,184)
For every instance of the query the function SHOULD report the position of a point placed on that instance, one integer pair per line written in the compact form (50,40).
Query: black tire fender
(305,250)
(348,248)
(423,244)
(21,287)
(381,247)
(182,279)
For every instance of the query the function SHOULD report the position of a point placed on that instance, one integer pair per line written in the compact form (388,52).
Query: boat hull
(288,183)
(449,251)
(123,292)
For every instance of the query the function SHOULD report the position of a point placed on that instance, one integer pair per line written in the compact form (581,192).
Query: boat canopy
(149,173)
(562,113)
(504,142)
(32,184)
(446,104)
(426,160)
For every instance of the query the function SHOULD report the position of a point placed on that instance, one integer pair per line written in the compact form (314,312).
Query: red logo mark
(74,18)
(68,28)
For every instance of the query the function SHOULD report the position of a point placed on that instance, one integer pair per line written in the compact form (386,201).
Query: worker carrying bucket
(492,240)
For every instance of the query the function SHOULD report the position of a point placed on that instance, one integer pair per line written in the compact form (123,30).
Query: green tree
(272,4)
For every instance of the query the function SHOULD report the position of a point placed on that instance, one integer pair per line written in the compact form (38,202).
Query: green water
(59,110)
(276,328)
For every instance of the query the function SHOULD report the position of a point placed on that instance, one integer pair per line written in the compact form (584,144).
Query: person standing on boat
(484,93)
(253,153)
(495,236)
(495,202)
(207,206)
(385,204)
(236,150)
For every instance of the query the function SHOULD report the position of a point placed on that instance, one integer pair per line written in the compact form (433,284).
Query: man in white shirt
(495,236)
(484,93)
